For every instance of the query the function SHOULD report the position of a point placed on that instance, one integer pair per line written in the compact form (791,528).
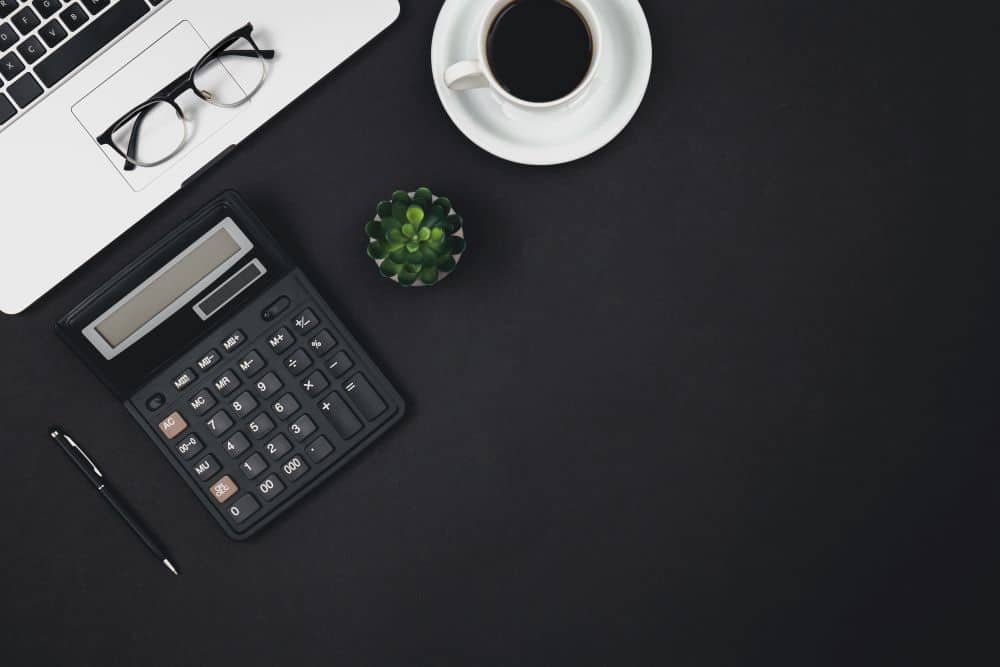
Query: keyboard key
(341,416)
(277,447)
(270,487)
(272,312)
(53,33)
(339,364)
(268,385)
(189,447)
(298,362)
(91,39)
(202,402)
(74,17)
(184,379)
(305,321)
(205,468)
(319,450)
(302,428)
(322,343)
(96,6)
(227,383)
(219,423)
(244,404)
(173,425)
(7,109)
(315,383)
(294,468)
(47,7)
(254,466)
(364,397)
(31,50)
(281,340)
(285,407)
(224,489)
(210,359)
(236,444)
(26,20)
(260,426)
(7,7)
(8,37)
(11,66)
(235,339)
(251,364)
(243,509)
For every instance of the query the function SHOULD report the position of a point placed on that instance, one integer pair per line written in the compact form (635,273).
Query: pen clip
(83,454)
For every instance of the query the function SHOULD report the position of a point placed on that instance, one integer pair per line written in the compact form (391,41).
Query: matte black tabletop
(719,394)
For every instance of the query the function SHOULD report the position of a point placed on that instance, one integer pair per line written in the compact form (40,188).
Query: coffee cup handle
(465,75)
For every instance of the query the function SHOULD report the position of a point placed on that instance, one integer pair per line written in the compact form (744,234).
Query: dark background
(721,393)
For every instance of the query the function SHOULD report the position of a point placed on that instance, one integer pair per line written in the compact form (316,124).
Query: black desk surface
(712,395)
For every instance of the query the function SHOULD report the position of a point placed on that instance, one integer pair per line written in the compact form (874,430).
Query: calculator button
(341,416)
(298,362)
(339,364)
(260,426)
(305,321)
(364,397)
(254,466)
(270,487)
(205,468)
(278,447)
(322,343)
(275,309)
(235,339)
(281,340)
(243,509)
(251,364)
(173,425)
(189,447)
(236,444)
(268,386)
(227,383)
(224,489)
(244,404)
(315,383)
(302,428)
(319,450)
(285,406)
(155,402)
(202,402)
(294,468)
(219,423)
(184,379)
(210,359)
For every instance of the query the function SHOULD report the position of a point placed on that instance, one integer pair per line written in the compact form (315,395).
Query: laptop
(71,69)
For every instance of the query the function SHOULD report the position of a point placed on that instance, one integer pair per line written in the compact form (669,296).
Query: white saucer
(541,138)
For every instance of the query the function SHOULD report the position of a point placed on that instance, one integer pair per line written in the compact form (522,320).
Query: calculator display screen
(169,289)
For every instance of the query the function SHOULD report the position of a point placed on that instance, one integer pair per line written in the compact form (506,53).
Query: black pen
(91,471)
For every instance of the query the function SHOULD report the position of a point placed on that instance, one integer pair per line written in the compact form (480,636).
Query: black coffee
(539,50)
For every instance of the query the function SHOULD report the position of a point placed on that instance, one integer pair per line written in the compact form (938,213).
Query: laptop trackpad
(144,76)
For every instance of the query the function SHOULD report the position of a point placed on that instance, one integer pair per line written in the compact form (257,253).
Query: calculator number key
(302,428)
(268,385)
(244,404)
(236,444)
(270,487)
(224,489)
(219,423)
(254,466)
(189,447)
(227,383)
(173,425)
(305,321)
(298,362)
(294,468)
(202,402)
(281,340)
(251,364)
(285,406)
(260,426)
(243,509)
(278,447)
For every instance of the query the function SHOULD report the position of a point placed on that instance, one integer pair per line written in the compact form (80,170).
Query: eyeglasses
(227,76)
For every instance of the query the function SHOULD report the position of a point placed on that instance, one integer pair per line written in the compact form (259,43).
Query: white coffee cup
(470,74)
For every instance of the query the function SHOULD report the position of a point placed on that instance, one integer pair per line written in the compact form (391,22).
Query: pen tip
(170,566)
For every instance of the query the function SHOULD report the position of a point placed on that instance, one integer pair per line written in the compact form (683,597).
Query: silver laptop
(107,107)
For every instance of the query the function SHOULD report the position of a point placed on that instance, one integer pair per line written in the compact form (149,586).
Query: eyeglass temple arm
(133,141)
(267,54)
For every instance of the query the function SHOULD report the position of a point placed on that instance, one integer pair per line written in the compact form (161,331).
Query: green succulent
(415,237)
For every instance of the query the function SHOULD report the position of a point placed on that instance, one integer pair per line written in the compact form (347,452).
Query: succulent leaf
(413,246)
(454,224)
(395,236)
(415,214)
(399,256)
(407,279)
(374,229)
(399,211)
(429,275)
(401,197)
(444,203)
(408,230)
(376,250)
(423,234)
(436,234)
(446,263)
(423,196)
(389,268)
(456,245)
(384,209)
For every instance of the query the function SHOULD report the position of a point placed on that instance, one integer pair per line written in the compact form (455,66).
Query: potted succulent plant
(416,238)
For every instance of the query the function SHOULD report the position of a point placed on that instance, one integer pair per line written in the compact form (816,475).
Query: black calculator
(234,365)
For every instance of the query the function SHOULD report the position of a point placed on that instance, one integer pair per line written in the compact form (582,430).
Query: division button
(224,489)
(173,425)
(364,397)
(298,362)
(243,509)
(337,412)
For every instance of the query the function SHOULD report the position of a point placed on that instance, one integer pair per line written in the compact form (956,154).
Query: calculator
(236,368)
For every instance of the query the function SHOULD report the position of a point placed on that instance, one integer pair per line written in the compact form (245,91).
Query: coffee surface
(539,50)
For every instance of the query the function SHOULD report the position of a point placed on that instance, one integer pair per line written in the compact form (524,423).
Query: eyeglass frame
(169,94)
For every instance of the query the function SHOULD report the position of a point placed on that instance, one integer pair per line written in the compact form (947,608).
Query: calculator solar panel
(269,395)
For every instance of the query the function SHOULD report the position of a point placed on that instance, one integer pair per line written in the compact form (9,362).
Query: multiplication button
(315,383)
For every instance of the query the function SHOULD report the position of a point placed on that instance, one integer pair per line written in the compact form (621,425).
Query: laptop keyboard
(44,41)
